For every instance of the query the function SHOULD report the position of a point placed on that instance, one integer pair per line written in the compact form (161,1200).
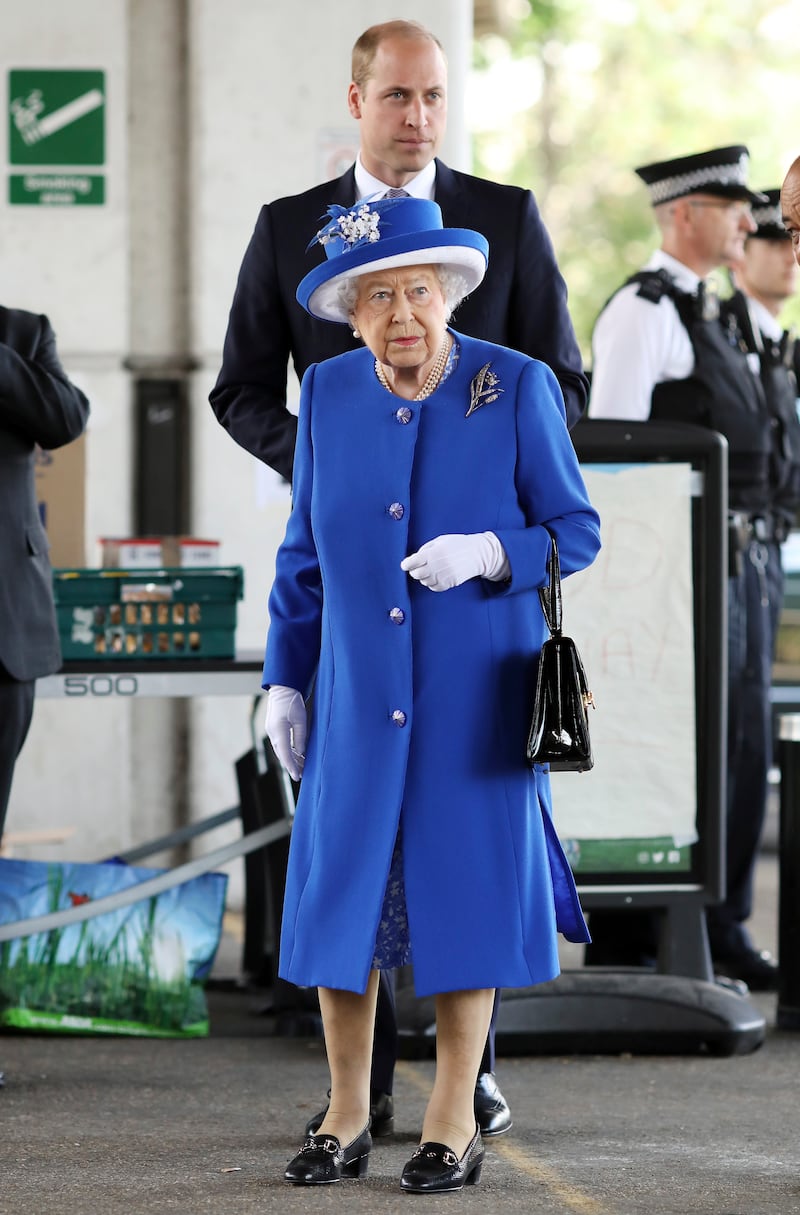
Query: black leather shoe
(381,1113)
(322,1159)
(755,967)
(491,1108)
(435,1169)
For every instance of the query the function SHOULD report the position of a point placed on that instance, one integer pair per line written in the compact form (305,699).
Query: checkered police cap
(722,172)
(769,218)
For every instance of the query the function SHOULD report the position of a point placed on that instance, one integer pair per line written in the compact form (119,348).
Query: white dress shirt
(420,186)
(637,344)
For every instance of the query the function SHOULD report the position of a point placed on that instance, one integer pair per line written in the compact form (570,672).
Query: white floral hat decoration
(383,234)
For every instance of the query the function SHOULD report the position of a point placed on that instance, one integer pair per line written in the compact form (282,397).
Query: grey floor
(113,1125)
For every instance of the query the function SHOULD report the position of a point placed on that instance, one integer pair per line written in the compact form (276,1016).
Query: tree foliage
(579,93)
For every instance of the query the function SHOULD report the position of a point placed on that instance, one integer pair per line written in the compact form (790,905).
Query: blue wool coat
(422,699)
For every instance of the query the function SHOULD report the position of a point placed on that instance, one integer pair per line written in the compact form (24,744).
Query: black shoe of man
(491,1108)
(491,1111)
(755,967)
(381,1112)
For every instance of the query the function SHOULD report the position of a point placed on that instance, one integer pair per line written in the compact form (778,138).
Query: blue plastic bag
(139,970)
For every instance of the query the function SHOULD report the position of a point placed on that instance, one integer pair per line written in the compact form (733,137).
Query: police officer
(662,351)
(764,279)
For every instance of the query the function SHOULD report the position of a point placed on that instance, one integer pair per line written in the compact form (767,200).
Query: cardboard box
(132,554)
(158,552)
(190,552)
(61,494)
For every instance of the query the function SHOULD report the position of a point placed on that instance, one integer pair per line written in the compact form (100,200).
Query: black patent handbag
(559,732)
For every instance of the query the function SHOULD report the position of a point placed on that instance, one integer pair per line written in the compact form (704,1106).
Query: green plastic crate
(147,614)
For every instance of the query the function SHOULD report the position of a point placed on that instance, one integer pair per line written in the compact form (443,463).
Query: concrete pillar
(269,87)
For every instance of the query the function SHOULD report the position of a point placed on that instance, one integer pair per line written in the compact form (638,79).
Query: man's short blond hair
(367,45)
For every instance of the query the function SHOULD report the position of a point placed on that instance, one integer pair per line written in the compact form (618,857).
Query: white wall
(213,108)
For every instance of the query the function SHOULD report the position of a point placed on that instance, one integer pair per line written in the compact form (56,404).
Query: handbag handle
(550,595)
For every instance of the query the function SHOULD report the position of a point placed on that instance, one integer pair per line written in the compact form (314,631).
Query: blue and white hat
(721,172)
(769,218)
(384,234)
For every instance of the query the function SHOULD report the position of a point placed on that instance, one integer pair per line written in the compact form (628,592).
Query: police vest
(722,393)
(779,364)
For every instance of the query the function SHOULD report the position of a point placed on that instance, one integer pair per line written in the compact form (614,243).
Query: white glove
(285,725)
(448,561)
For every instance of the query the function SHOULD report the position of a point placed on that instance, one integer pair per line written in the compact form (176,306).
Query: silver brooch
(483,389)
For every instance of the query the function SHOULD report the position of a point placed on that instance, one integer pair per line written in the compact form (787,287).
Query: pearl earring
(356,333)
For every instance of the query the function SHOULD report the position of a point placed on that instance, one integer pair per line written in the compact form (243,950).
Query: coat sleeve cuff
(527,551)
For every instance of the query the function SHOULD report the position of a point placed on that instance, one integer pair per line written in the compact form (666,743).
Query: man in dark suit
(398,95)
(521,303)
(38,405)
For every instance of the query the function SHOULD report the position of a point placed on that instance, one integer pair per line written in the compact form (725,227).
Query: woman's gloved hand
(448,561)
(285,725)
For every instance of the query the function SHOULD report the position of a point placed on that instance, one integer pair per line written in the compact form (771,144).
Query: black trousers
(384,1048)
(16,711)
(754,601)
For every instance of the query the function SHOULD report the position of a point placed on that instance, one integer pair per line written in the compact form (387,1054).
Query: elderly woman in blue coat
(429,474)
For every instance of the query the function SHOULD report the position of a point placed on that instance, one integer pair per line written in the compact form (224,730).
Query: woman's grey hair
(454,289)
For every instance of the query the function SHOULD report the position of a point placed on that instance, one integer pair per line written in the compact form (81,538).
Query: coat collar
(343,189)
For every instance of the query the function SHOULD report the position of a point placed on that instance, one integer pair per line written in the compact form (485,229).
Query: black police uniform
(726,394)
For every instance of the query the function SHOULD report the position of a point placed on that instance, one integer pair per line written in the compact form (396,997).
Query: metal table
(128,678)
(266,794)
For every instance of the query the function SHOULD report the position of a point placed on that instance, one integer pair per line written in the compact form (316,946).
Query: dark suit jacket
(522,303)
(37,405)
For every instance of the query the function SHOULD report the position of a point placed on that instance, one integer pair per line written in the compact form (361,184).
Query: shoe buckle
(327,1145)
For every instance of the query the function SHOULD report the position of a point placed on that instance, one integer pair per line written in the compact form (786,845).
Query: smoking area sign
(56,128)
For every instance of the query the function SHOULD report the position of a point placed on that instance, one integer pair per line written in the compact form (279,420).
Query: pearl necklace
(432,382)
